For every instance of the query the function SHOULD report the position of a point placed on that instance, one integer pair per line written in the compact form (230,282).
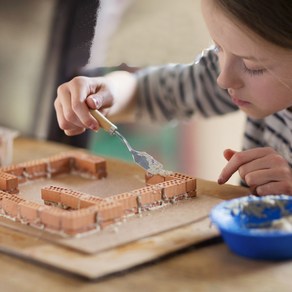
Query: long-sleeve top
(178,91)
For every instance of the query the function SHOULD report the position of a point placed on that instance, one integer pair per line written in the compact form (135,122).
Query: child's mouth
(239,102)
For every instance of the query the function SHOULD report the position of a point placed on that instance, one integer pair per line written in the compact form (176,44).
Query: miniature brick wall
(71,212)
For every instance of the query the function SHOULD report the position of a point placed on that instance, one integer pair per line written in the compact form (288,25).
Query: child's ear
(228,153)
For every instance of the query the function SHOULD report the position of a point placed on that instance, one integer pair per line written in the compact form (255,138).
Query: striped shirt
(178,91)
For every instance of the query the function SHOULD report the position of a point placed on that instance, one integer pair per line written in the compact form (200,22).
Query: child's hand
(263,170)
(74,100)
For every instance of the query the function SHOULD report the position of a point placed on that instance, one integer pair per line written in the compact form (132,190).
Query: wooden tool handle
(106,124)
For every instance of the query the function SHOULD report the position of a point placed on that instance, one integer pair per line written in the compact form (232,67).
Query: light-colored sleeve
(178,91)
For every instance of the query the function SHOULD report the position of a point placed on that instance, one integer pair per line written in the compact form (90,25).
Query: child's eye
(253,72)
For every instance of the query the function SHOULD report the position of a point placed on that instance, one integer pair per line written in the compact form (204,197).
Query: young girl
(249,68)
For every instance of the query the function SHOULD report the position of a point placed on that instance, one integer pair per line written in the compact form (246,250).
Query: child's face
(256,73)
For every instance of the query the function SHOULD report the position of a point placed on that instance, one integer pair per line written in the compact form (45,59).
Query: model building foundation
(70,212)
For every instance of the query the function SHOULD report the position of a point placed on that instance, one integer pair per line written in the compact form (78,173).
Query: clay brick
(108,211)
(105,224)
(52,194)
(8,182)
(192,194)
(71,199)
(149,195)
(190,181)
(172,188)
(59,164)
(30,211)
(16,170)
(92,164)
(152,179)
(34,169)
(87,201)
(128,202)
(50,217)
(10,205)
(2,194)
(78,221)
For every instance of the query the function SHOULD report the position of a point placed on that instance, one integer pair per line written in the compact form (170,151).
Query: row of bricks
(67,198)
(173,187)
(151,179)
(11,176)
(53,218)
(150,195)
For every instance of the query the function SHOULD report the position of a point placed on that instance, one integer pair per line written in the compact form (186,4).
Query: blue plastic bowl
(245,225)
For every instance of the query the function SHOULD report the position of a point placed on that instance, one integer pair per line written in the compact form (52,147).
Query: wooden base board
(108,262)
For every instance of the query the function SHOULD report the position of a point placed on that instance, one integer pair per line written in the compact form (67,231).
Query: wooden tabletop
(207,267)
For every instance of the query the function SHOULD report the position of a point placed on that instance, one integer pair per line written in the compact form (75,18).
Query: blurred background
(47,42)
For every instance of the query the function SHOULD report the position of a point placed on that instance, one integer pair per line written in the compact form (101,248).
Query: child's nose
(230,76)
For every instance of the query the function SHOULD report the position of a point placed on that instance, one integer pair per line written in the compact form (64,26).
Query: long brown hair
(270,19)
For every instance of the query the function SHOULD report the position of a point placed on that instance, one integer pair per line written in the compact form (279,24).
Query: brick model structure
(72,212)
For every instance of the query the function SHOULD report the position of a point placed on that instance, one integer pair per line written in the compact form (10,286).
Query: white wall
(24,34)
(212,138)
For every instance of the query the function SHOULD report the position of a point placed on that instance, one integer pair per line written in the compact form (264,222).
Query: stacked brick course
(72,212)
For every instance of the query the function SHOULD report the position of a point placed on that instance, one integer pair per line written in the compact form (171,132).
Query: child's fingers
(235,161)
(244,158)
(228,153)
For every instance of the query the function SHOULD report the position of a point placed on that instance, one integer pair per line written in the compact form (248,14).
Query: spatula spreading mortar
(143,159)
